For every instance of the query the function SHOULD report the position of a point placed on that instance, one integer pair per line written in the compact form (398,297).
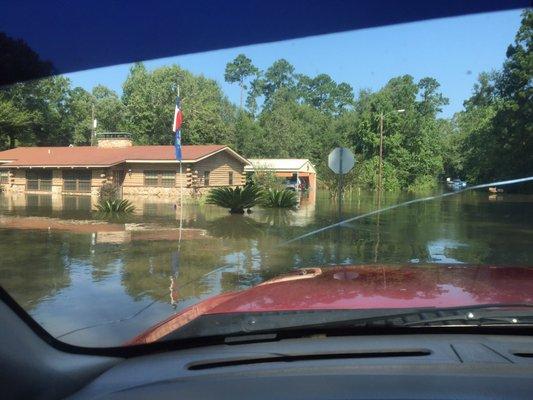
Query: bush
(235,199)
(274,198)
(108,191)
(115,206)
(423,184)
(266,179)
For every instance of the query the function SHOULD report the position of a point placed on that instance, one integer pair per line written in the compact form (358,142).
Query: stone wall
(163,192)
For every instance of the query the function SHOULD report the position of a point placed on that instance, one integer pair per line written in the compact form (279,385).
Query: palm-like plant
(236,199)
(115,206)
(275,198)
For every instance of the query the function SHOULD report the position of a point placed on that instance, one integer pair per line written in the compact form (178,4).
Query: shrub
(235,199)
(108,191)
(274,198)
(115,206)
(266,179)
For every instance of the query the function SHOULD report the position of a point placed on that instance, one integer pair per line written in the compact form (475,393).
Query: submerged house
(136,170)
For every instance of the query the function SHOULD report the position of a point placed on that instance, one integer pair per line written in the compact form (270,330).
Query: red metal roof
(98,156)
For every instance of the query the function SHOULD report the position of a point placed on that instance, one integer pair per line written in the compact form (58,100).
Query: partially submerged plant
(275,198)
(115,206)
(235,199)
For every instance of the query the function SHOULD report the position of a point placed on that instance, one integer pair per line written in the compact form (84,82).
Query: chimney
(113,139)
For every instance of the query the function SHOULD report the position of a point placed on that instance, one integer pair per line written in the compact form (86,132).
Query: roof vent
(114,139)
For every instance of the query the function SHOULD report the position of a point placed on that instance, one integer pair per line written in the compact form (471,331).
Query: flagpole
(181,194)
(175,259)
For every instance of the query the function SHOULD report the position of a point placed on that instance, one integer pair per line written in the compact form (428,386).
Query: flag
(176,127)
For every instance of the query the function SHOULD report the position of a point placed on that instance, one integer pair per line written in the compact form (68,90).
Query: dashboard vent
(307,357)
(523,354)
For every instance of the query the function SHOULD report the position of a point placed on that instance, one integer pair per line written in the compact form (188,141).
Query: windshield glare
(370,173)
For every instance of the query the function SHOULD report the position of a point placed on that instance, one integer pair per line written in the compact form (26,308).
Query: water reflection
(70,270)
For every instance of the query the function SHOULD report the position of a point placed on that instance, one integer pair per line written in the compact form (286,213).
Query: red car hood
(365,287)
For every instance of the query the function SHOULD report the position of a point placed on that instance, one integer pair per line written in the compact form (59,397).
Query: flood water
(97,283)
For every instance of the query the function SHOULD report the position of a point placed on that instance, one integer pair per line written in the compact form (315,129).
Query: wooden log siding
(136,177)
(219,167)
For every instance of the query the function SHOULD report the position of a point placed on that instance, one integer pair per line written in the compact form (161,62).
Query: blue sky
(452,50)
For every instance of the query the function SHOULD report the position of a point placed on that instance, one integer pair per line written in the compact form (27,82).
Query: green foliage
(108,191)
(115,206)
(109,110)
(266,179)
(235,199)
(276,198)
(496,128)
(149,98)
(238,71)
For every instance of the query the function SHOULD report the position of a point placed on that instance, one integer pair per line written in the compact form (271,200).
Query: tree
(18,111)
(324,93)
(412,144)
(149,99)
(15,122)
(80,105)
(238,71)
(279,75)
(109,110)
(497,123)
(247,135)
(50,100)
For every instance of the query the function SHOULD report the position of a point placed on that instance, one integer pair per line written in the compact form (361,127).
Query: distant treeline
(282,113)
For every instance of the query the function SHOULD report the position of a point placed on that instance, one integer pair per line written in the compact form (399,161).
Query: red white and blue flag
(176,127)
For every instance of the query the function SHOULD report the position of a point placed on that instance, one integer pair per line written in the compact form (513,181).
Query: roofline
(263,162)
(58,166)
(131,161)
(228,149)
(158,161)
(252,167)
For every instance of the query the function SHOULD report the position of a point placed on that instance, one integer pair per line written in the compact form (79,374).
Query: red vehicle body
(364,287)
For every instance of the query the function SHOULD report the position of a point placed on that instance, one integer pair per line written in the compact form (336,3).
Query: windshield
(250,180)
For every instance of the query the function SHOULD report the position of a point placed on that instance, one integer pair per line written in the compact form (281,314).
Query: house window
(39,180)
(4,176)
(206,178)
(77,181)
(230,178)
(160,178)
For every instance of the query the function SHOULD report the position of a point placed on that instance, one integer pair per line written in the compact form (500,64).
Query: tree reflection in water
(68,272)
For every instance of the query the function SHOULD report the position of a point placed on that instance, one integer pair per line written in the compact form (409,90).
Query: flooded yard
(99,283)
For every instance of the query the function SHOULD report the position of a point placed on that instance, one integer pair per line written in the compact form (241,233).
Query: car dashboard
(439,366)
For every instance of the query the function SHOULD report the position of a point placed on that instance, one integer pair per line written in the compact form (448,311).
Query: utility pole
(340,183)
(381,118)
(380,177)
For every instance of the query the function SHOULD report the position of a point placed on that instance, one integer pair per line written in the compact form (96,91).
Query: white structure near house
(289,168)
